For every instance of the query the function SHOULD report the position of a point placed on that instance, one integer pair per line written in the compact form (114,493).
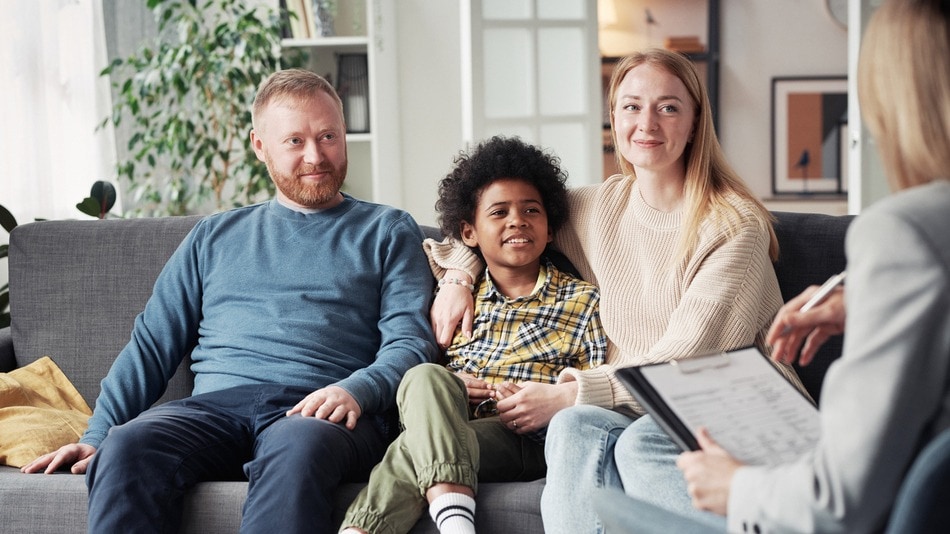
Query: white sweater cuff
(451,254)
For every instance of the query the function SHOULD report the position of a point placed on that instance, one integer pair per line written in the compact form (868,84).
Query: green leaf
(104,193)
(136,138)
(7,220)
(89,206)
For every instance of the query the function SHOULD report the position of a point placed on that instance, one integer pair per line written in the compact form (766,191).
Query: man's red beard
(311,195)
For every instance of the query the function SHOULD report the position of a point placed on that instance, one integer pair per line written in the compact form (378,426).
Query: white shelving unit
(365,27)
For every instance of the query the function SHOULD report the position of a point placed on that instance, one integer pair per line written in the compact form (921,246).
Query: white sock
(453,513)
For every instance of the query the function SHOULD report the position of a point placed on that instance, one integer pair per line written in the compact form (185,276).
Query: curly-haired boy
(482,416)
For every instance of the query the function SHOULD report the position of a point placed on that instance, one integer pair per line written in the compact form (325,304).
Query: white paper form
(744,402)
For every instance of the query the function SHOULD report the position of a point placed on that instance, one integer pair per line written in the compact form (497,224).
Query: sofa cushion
(40,411)
(213,507)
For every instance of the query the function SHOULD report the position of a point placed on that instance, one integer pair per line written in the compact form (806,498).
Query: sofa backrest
(77,286)
(811,249)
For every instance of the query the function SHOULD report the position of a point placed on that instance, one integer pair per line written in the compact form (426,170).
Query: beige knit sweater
(723,296)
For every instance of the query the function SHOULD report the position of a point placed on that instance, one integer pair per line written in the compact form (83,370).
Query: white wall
(760,39)
(430,90)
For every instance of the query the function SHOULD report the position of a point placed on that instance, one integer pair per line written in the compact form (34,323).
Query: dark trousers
(139,475)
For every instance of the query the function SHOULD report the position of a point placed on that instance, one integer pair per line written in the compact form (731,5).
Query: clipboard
(739,396)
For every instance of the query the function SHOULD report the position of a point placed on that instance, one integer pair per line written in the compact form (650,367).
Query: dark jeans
(138,477)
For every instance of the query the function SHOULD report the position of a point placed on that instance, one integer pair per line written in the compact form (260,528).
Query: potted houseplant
(188,95)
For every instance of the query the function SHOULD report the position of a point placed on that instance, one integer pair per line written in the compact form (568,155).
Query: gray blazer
(887,395)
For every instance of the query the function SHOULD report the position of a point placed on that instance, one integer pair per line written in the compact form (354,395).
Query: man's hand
(453,303)
(332,403)
(76,454)
(531,405)
(708,474)
(478,389)
(791,328)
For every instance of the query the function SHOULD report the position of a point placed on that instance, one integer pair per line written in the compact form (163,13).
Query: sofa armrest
(7,359)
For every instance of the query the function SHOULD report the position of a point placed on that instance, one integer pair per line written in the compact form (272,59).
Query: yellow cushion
(40,411)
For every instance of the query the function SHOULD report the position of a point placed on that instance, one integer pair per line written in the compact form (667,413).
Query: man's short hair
(291,84)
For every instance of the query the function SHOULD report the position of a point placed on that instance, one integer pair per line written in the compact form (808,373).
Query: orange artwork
(804,136)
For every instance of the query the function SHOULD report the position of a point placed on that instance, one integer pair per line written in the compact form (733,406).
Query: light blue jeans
(589,447)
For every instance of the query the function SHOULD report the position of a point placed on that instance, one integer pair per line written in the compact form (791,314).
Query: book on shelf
(299,22)
(310,27)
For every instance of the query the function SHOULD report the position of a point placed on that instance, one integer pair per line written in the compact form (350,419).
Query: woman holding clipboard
(888,395)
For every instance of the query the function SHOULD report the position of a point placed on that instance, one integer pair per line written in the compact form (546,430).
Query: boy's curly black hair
(495,159)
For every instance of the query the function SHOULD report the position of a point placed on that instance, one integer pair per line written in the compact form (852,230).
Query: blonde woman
(682,253)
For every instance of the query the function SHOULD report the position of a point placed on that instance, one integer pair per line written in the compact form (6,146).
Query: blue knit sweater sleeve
(404,296)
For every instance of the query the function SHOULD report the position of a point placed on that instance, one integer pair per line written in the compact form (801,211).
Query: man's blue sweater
(267,295)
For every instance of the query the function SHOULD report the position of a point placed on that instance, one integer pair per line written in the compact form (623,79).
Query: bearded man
(301,315)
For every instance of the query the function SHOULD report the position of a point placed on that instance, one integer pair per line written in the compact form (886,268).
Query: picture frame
(809,135)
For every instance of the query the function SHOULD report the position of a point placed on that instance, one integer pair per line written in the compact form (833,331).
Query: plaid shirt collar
(542,291)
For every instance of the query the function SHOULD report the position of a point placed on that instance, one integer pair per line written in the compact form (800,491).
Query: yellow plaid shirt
(532,338)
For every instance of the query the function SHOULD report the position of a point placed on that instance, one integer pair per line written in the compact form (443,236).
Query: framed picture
(809,135)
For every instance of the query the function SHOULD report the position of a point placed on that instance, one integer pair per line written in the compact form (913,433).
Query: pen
(823,292)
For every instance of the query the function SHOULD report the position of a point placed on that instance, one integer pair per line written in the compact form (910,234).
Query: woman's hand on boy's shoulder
(453,304)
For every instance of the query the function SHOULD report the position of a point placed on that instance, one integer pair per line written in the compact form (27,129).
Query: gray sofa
(76,286)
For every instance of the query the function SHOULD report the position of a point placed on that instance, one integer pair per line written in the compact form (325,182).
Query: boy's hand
(478,389)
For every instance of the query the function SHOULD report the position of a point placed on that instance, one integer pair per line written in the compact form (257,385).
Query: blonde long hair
(904,89)
(709,177)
